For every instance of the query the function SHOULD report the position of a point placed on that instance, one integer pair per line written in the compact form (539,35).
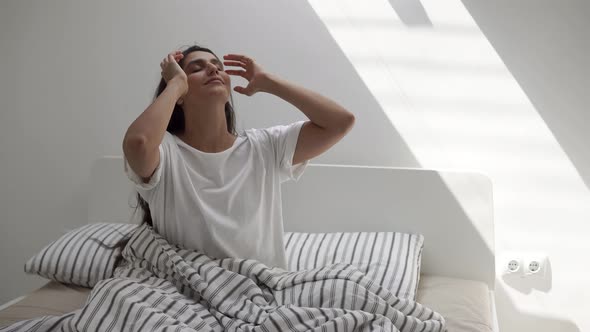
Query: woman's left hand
(256,76)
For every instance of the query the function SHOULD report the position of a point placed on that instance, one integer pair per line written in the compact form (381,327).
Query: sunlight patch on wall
(454,102)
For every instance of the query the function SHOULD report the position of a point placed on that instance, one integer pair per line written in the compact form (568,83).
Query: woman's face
(206,76)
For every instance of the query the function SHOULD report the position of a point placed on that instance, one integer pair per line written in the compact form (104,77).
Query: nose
(212,68)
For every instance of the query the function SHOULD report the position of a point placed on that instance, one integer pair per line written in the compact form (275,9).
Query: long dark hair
(176,124)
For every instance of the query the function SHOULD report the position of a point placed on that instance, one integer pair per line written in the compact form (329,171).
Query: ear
(179,101)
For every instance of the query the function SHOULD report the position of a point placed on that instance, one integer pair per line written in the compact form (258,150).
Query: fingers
(241,73)
(238,57)
(172,56)
(242,90)
(176,54)
(234,63)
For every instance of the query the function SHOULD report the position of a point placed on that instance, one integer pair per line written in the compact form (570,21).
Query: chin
(219,95)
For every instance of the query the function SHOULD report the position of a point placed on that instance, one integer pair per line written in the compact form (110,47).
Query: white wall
(509,102)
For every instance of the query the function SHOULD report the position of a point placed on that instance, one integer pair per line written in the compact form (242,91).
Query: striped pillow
(390,258)
(83,256)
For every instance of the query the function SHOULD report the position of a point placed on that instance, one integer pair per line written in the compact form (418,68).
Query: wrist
(270,83)
(179,87)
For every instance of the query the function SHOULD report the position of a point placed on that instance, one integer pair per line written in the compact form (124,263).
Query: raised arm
(144,135)
(329,123)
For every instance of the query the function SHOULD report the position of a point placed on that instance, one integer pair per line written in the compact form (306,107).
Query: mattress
(465,304)
(53,299)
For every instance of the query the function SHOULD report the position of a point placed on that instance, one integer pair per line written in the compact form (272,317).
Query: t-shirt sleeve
(145,188)
(284,140)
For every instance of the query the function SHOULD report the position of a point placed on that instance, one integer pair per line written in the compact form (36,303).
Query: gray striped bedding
(391,259)
(161,287)
(83,256)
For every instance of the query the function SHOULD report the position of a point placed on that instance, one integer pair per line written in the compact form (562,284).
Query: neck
(205,127)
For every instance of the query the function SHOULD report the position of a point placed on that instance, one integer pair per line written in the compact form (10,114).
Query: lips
(214,79)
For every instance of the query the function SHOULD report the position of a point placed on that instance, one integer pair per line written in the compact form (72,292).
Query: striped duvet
(161,287)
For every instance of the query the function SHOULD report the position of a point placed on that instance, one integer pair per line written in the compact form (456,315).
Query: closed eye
(197,69)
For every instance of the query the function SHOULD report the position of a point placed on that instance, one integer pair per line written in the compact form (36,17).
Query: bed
(452,209)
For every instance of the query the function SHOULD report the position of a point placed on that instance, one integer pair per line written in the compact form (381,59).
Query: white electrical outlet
(535,264)
(511,264)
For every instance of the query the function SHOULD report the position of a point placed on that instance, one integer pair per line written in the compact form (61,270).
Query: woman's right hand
(171,71)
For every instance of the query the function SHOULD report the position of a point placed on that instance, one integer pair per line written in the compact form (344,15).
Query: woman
(207,187)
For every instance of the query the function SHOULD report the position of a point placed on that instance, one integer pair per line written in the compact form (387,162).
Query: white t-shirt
(225,204)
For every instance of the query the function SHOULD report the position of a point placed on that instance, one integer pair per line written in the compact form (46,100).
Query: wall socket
(513,266)
(524,264)
(535,264)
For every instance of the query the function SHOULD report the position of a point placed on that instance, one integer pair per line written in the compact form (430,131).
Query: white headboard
(452,209)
